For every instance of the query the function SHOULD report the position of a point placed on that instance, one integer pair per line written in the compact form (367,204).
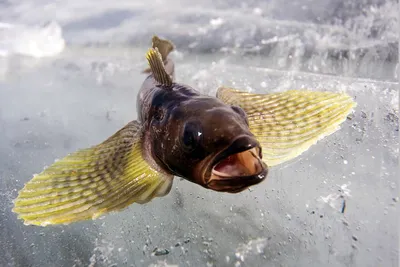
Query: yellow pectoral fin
(287,124)
(91,182)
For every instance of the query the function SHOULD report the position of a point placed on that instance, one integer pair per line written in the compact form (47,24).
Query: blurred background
(69,76)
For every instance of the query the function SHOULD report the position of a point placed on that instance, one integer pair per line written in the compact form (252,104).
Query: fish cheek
(182,166)
(165,146)
(176,157)
(181,161)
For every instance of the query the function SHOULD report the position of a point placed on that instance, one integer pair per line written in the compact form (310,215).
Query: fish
(225,143)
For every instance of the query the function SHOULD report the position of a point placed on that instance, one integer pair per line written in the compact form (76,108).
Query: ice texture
(31,40)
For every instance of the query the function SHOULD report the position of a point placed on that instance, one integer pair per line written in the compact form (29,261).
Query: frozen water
(35,41)
(55,105)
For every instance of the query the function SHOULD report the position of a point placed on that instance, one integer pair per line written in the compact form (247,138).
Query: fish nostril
(240,112)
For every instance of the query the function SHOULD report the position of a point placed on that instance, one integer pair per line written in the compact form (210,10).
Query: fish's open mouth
(244,163)
(238,167)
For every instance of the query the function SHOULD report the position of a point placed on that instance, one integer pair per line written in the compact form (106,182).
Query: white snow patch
(217,22)
(252,247)
(162,264)
(35,41)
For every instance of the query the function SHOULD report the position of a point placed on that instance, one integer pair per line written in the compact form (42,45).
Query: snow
(35,41)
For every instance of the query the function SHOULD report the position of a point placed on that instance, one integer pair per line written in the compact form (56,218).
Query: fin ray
(90,182)
(157,67)
(165,47)
(288,123)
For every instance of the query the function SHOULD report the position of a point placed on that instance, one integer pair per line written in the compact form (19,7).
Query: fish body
(223,143)
(187,134)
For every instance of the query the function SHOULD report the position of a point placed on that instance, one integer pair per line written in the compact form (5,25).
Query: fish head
(209,143)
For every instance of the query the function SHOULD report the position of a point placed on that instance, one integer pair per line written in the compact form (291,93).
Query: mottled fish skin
(217,142)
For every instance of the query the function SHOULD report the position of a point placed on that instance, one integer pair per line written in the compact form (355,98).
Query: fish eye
(192,135)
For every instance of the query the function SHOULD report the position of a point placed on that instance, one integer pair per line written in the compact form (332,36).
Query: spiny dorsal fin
(164,46)
(157,67)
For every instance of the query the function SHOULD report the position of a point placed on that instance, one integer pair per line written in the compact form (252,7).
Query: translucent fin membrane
(91,182)
(287,124)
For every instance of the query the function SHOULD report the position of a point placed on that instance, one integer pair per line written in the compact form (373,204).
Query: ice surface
(50,107)
(35,41)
